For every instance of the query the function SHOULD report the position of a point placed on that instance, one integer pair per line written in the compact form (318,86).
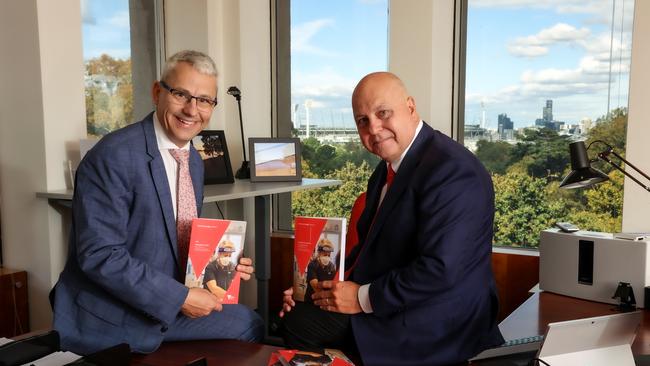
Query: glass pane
(540,75)
(107,60)
(333,45)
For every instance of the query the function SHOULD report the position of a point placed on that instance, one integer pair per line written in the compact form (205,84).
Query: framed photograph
(275,159)
(211,145)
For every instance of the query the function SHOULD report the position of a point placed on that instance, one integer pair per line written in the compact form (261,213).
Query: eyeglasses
(182,97)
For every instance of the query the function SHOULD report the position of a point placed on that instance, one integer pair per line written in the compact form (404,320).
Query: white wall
(636,205)
(42,113)
(421,40)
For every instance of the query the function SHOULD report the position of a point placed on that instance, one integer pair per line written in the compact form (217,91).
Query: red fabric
(390,175)
(352,237)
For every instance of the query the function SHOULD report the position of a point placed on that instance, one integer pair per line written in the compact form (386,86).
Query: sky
(519,54)
(105,28)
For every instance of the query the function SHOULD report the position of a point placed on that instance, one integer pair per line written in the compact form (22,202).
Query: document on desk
(55,359)
(4,341)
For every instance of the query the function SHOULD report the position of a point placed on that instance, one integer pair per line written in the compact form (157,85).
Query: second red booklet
(215,249)
(319,253)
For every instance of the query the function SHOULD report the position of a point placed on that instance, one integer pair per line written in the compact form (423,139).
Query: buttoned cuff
(364,298)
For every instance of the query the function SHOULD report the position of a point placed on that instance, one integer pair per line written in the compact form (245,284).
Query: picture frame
(275,159)
(212,146)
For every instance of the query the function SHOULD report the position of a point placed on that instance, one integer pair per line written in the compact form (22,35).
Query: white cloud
(538,44)
(302,34)
(559,6)
(527,50)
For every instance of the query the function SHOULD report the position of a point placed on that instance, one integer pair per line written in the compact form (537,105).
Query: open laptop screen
(603,340)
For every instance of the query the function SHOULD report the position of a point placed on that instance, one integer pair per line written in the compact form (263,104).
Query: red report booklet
(319,253)
(215,249)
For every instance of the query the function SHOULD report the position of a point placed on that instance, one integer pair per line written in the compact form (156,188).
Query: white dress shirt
(171,165)
(364,298)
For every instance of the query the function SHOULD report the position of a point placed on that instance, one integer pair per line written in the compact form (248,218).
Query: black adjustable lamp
(244,171)
(583,175)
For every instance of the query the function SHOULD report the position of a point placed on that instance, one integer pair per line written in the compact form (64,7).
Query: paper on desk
(55,359)
(5,341)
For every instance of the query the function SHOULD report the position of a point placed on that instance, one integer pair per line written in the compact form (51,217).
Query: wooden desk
(532,317)
(216,352)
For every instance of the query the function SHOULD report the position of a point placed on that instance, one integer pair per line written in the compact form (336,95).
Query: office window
(540,75)
(333,45)
(121,61)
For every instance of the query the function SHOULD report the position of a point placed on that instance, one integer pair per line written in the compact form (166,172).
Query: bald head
(385,115)
(379,80)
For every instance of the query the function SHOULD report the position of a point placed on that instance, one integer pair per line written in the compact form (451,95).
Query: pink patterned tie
(186,204)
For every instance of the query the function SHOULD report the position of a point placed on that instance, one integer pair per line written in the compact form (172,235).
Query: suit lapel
(196,166)
(400,183)
(159,176)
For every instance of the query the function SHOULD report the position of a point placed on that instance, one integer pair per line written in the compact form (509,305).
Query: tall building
(547,112)
(506,126)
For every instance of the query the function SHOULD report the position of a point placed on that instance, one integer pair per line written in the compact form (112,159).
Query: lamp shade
(582,174)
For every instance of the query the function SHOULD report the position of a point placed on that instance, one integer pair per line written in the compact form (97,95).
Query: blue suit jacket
(122,280)
(427,258)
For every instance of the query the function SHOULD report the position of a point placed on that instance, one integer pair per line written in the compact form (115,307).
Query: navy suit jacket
(122,279)
(426,254)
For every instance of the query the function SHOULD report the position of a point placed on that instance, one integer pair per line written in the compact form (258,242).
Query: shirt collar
(395,164)
(164,143)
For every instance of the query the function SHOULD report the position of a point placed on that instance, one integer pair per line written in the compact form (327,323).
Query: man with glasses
(136,192)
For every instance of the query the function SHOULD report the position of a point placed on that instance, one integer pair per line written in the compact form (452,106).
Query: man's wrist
(364,298)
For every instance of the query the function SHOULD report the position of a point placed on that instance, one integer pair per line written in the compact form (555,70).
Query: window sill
(531,252)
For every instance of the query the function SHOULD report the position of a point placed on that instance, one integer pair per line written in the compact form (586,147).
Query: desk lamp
(584,175)
(244,171)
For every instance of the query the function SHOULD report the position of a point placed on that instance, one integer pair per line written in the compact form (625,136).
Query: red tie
(185,203)
(390,175)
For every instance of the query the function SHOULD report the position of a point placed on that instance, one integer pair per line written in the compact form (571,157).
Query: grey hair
(199,61)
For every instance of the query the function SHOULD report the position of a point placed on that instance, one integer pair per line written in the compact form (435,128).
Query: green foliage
(522,209)
(333,201)
(528,198)
(545,151)
(496,156)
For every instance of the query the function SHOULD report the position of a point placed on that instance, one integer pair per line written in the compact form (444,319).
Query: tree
(522,209)
(333,201)
(109,98)
(496,156)
(545,150)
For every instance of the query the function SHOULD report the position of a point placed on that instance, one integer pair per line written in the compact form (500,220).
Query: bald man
(420,289)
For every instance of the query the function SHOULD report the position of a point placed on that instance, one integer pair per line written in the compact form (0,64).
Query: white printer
(589,265)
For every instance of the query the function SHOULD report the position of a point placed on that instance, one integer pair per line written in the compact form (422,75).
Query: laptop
(599,341)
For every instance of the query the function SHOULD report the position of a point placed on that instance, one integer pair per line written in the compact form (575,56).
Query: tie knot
(181,156)
(390,174)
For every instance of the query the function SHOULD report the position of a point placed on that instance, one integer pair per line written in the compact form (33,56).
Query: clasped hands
(201,302)
(336,296)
